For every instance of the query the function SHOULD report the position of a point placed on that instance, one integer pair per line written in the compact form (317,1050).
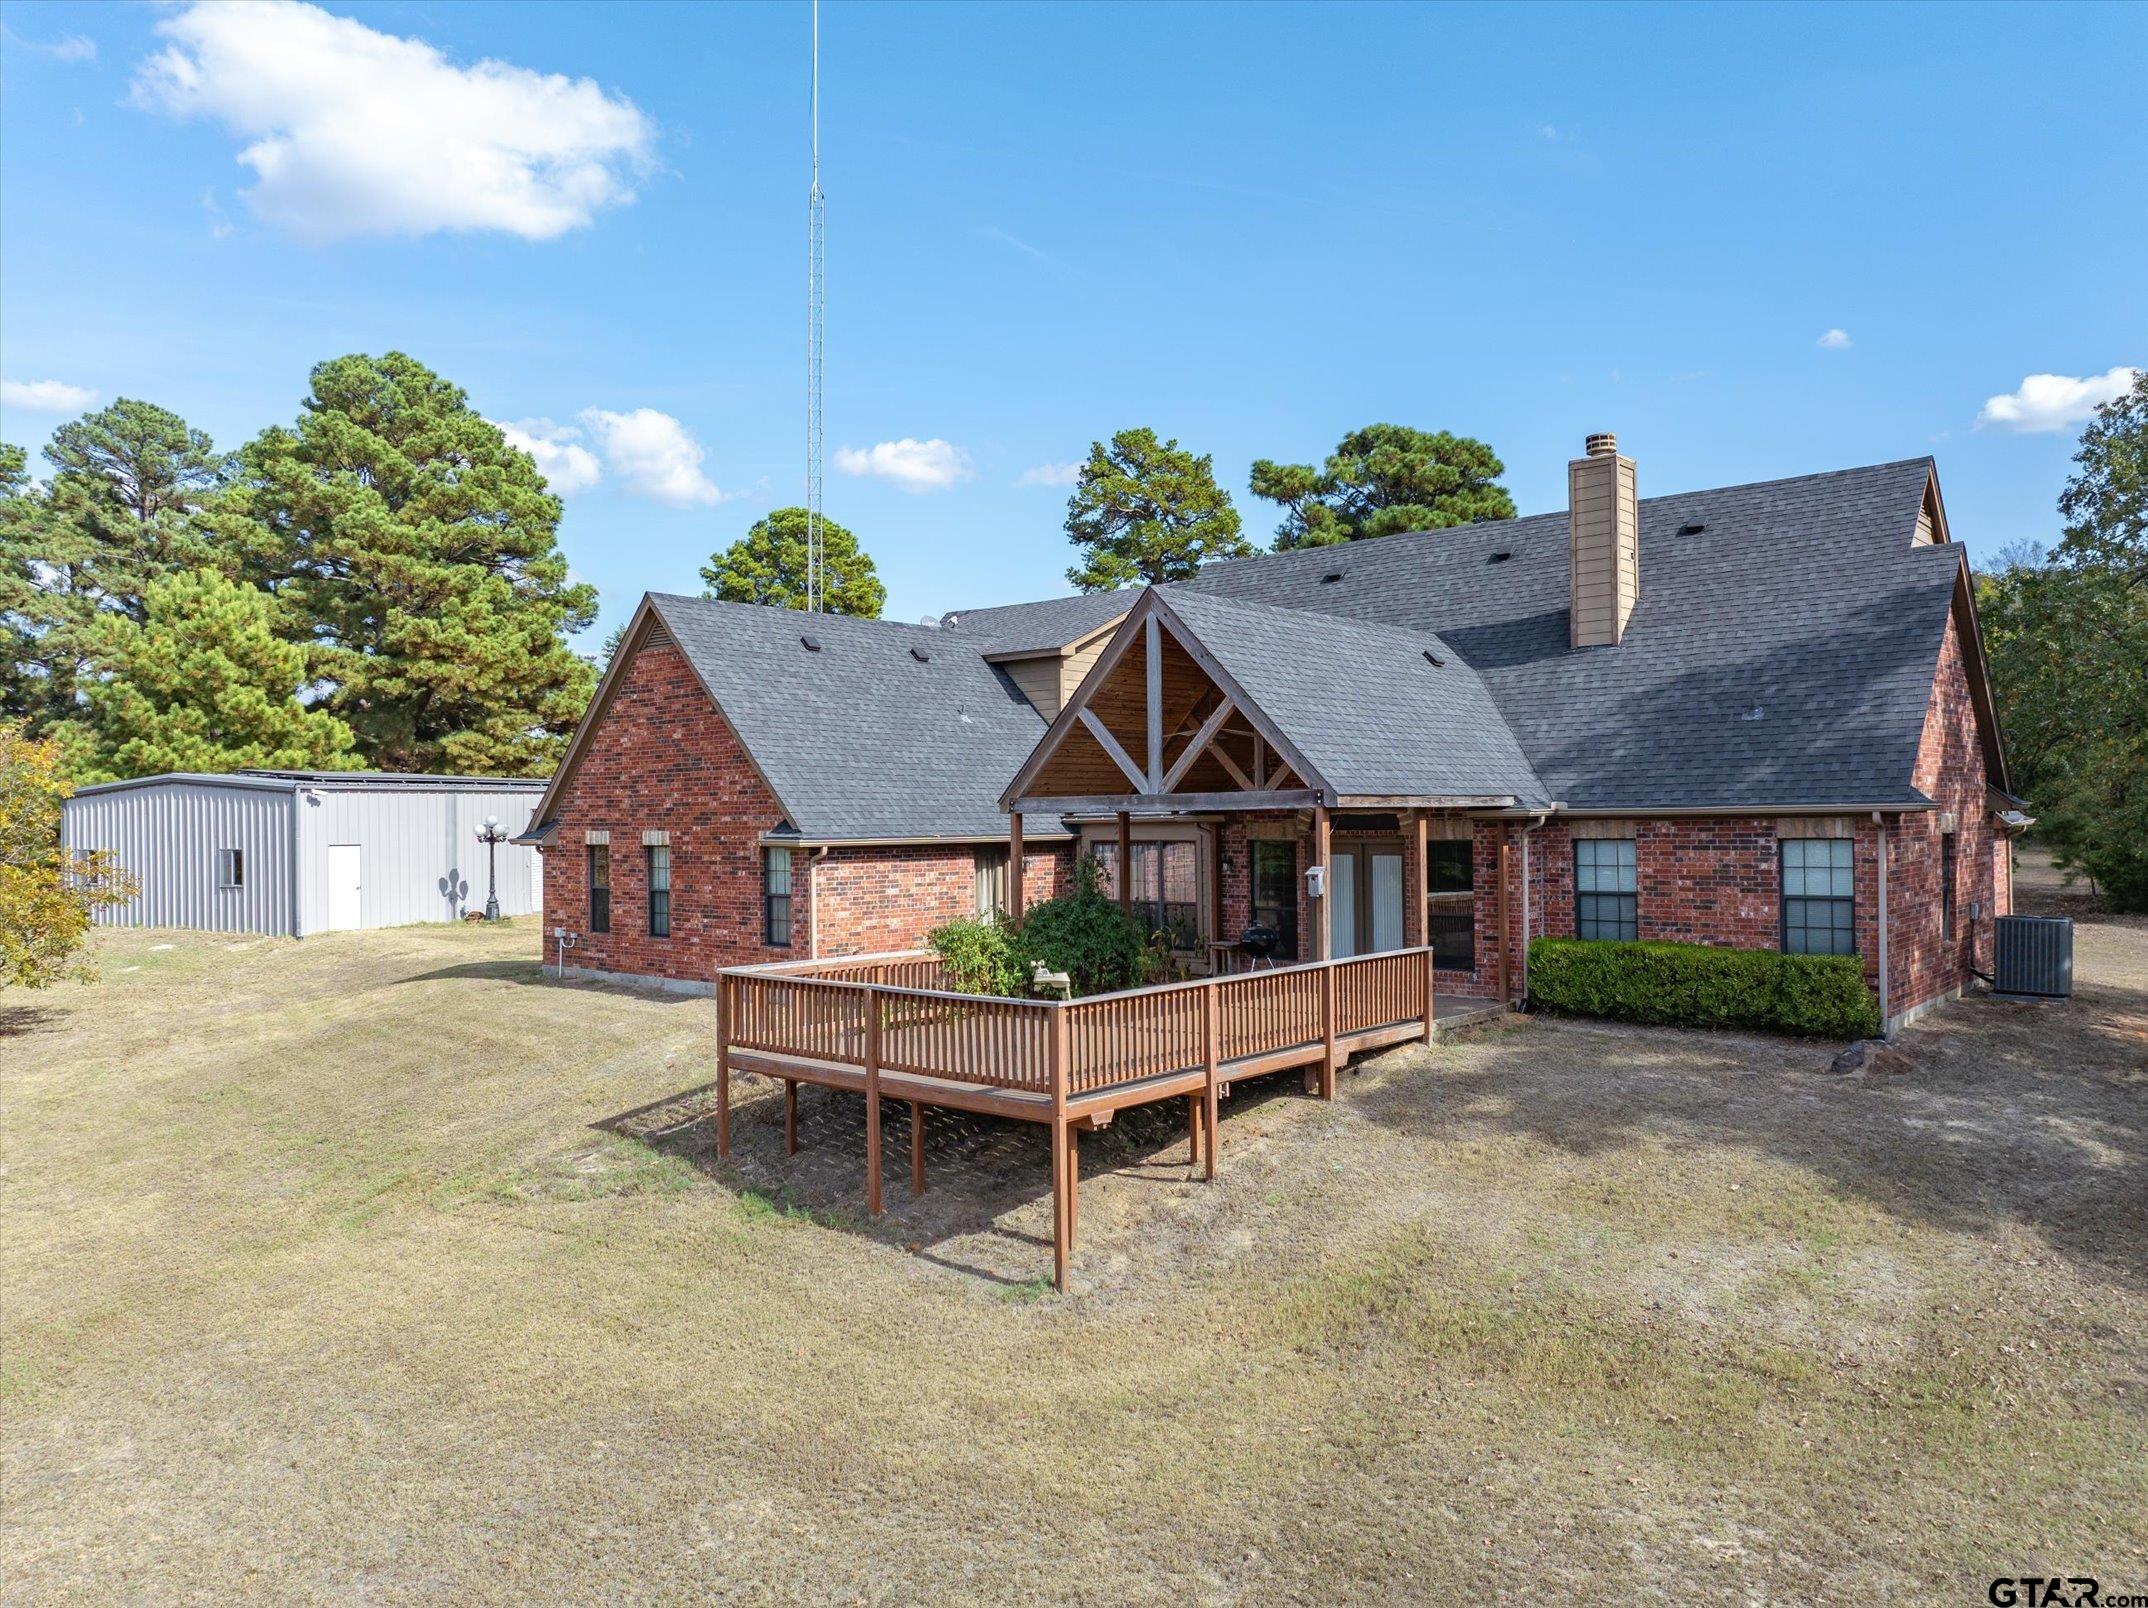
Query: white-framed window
(231,868)
(991,863)
(1819,897)
(776,898)
(1607,889)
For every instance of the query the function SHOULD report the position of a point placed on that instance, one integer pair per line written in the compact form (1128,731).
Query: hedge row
(1694,985)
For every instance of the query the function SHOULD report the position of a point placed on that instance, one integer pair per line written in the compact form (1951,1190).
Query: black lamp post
(492,835)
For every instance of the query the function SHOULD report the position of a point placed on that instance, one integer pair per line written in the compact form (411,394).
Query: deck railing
(868,1008)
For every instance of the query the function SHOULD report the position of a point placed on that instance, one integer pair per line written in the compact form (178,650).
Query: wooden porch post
(790,1116)
(1014,867)
(723,1065)
(1073,1181)
(1126,857)
(1506,941)
(1431,997)
(1327,1031)
(872,1099)
(1421,884)
(1208,1065)
(1323,935)
(1056,1054)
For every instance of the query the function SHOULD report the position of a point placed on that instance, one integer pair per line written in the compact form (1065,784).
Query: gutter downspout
(812,902)
(1527,828)
(1886,1030)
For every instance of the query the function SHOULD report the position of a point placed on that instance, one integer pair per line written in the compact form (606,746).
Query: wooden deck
(886,1026)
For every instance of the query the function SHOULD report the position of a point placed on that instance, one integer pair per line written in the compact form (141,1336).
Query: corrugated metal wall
(418,851)
(170,838)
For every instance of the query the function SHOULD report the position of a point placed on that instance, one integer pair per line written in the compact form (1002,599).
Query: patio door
(1365,882)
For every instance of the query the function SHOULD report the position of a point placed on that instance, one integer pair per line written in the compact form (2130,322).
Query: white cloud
(1836,340)
(2046,402)
(911,465)
(652,455)
(1049,474)
(45,396)
(565,463)
(68,47)
(358,132)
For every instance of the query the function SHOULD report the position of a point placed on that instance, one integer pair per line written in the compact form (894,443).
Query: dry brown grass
(376,1267)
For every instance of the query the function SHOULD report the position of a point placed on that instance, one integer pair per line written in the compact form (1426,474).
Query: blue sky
(1252,228)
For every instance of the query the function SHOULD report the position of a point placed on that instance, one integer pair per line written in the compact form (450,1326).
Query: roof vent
(1331,577)
(1603,444)
(921,656)
(812,643)
(1433,659)
(1692,528)
(1499,557)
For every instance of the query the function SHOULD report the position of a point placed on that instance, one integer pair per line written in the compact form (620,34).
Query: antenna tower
(816,297)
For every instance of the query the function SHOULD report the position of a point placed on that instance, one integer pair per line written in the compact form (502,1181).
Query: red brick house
(1754,716)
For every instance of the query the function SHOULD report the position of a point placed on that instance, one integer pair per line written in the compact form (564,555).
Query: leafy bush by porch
(1083,933)
(1696,985)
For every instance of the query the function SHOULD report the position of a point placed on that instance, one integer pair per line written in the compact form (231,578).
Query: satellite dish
(931,622)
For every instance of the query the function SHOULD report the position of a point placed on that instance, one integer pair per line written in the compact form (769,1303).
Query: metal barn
(295,852)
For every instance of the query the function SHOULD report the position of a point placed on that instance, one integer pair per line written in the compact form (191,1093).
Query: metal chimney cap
(1602,444)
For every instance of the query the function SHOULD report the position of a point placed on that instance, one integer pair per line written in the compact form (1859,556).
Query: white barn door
(343,886)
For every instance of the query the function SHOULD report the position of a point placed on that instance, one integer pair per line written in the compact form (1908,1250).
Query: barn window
(659,890)
(776,899)
(1606,889)
(1819,897)
(600,887)
(231,868)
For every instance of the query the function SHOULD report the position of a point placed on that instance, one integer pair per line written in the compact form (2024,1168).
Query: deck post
(1327,1031)
(872,1099)
(1193,1130)
(790,1116)
(1126,856)
(1431,1000)
(1209,1057)
(1056,1057)
(723,1065)
(1014,867)
(1073,1181)
(917,1148)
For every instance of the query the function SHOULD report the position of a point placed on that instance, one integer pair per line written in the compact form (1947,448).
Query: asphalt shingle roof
(1781,654)
(861,739)
(1429,730)
(1040,627)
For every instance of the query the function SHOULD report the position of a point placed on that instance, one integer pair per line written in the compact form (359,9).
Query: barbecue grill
(1257,943)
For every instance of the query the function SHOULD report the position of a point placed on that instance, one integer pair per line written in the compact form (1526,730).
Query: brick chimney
(1603,541)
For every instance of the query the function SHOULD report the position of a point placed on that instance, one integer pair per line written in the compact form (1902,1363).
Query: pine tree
(416,554)
(125,507)
(202,683)
(1148,511)
(768,565)
(1383,479)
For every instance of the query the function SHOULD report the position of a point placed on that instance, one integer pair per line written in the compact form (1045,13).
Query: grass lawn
(375,1266)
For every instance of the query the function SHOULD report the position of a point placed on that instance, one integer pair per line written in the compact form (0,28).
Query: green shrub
(979,954)
(1084,934)
(1696,985)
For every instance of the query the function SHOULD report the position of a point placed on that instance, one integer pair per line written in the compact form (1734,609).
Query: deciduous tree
(45,901)
(768,565)
(1146,511)
(1382,479)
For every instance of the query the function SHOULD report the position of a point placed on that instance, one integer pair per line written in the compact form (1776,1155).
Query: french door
(1365,898)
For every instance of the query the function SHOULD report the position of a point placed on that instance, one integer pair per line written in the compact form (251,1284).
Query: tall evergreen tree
(125,507)
(1147,511)
(1383,479)
(202,683)
(768,565)
(416,554)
